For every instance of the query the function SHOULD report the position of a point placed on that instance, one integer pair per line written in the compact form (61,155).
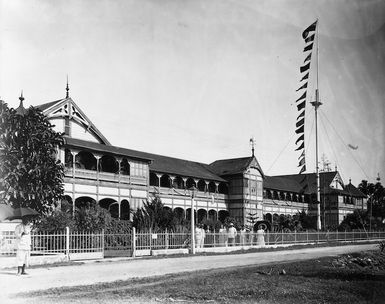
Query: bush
(92,218)
(56,221)
(116,226)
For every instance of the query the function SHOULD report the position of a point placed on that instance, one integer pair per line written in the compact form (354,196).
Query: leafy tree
(231,220)
(306,221)
(30,175)
(356,220)
(153,215)
(376,198)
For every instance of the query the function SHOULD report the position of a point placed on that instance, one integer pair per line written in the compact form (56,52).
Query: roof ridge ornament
(252,143)
(21,110)
(67,89)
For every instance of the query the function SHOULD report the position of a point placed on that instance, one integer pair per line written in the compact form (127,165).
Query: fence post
(166,239)
(68,243)
(345,235)
(353,236)
(133,241)
(318,236)
(307,236)
(150,239)
(103,242)
(295,236)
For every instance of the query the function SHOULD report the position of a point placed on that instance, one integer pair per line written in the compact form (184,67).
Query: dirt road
(109,271)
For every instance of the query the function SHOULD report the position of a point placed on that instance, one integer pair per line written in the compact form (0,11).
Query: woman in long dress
(260,237)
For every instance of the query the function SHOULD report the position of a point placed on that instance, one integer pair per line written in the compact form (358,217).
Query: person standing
(198,236)
(243,235)
(231,235)
(23,245)
(260,237)
(222,236)
(203,232)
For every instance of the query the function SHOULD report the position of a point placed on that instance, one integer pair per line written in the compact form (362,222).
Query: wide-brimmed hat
(231,224)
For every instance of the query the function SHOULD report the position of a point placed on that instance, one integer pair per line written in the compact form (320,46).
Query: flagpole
(316,105)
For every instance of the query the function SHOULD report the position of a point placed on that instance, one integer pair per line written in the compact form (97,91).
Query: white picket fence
(75,245)
(87,245)
(170,240)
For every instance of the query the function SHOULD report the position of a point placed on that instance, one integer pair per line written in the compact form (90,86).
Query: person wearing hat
(231,235)
(23,245)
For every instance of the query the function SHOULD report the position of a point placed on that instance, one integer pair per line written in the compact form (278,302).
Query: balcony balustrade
(282,202)
(185,192)
(106,176)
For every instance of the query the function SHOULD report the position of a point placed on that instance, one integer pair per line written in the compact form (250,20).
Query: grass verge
(358,278)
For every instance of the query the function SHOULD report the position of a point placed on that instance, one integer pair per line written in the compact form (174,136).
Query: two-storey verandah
(120,180)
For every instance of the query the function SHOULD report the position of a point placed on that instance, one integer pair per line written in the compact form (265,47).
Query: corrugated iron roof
(233,166)
(47,105)
(353,191)
(159,163)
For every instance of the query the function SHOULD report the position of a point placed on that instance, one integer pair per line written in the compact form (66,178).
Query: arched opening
(212,187)
(222,188)
(275,218)
(111,205)
(109,164)
(68,159)
(178,183)
(179,213)
(212,214)
(154,181)
(294,198)
(125,210)
(288,197)
(222,215)
(275,195)
(201,185)
(202,215)
(188,214)
(165,181)
(268,217)
(85,160)
(66,204)
(125,167)
(268,194)
(190,183)
(282,196)
(300,199)
(84,202)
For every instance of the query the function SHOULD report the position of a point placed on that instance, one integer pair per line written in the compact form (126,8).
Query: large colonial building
(121,179)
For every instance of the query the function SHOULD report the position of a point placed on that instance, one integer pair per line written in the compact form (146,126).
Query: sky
(196,79)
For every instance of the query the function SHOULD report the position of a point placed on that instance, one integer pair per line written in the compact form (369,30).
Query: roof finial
(252,143)
(350,180)
(21,110)
(378,178)
(67,89)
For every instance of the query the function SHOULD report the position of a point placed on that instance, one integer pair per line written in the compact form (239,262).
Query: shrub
(56,221)
(92,218)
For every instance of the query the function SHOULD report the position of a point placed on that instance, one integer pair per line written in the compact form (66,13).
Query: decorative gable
(254,166)
(70,119)
(337,182)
